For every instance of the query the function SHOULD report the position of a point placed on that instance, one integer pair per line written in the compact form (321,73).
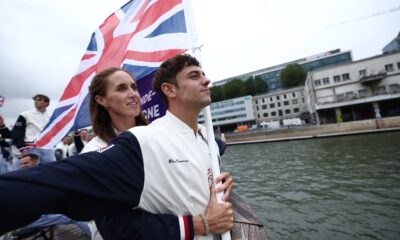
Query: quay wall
(345,128)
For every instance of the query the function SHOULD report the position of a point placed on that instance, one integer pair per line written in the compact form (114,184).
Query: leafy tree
(293,75)
(217,93)
(260,85)
(234,88)
(250,86)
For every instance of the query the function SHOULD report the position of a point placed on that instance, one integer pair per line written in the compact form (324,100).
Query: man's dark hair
(44,97)
(168,71)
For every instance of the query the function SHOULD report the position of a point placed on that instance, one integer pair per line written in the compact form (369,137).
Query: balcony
(373,78)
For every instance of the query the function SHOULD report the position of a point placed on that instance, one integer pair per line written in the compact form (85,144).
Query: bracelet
(205,222)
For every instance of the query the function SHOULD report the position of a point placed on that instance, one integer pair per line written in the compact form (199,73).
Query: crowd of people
(148,181)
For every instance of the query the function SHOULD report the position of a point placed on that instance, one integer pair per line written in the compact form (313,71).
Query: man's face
(83,134)
(40,103)
(27,162)
(192,90)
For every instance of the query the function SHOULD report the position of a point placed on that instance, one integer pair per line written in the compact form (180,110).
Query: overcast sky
(42,41)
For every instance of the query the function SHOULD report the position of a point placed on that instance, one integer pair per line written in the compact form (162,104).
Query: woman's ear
(101,100)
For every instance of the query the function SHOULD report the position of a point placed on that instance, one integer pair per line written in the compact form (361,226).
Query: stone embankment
(315,131)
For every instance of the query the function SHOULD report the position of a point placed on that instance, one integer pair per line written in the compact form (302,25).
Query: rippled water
(333,188)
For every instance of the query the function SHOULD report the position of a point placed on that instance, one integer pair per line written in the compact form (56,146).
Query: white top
(35,122)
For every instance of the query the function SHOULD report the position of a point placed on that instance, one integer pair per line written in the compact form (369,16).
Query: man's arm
(78,142)
(82,187)
(18,132)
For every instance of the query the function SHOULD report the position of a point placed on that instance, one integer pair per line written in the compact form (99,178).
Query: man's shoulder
(28,112)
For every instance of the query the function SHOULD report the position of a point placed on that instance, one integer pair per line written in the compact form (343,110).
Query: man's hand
(226,186)
(218,215)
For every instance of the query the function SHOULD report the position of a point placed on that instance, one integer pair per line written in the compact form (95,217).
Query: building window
(389,68)
(272,105)
(380,90)
(362,93)
(277,98)
(264,106)
(263,100)
(362,73)
(284,96)
(336,78)
(398,66)
(287,111)
(271,100)
(286,103)
(302,99)
(265,115)
(394,88)
(258,115)
(293,94)
(296,110)
(279,104)
(257,108)
(273,113)
(349,95)
(280,112)
(346,77)
(295,101)
(325,80)
(317,82)
(256,102)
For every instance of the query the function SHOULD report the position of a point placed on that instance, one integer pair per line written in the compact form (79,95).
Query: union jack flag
(138,37)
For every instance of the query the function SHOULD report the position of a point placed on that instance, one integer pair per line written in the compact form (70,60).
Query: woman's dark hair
(101,120)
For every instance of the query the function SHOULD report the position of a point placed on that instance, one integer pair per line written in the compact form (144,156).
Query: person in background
(30,123)
(161,168)
(81,138)
(62,148)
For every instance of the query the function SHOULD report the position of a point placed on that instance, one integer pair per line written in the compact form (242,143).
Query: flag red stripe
(56,128)
(154,12)
(87,56)
(75,84)
(156,56)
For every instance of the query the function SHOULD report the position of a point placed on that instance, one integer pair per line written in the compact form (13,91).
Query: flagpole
(212,146)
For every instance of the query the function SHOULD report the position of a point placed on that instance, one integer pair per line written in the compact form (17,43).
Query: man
(62,148)
(30,123)
(79,142)
(161,168)
(30,158)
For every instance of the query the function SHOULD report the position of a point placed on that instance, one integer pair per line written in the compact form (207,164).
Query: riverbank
(315,131)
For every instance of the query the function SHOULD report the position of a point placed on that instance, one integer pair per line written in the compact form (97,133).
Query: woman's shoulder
(95,144)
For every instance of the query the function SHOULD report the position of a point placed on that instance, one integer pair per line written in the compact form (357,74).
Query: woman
(115,106)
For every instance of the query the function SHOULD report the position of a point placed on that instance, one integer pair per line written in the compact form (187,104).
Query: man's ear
(169,90)
(101,100)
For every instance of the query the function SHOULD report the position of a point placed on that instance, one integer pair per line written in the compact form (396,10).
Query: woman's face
(122,98)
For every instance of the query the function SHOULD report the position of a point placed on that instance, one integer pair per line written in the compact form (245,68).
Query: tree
(250,86)
(217,93)
(260,85)
(293,75)
(234,88)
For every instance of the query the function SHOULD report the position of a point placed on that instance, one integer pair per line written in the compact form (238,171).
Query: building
(364,89)
(393,46)
(228,114)
(276,106)
(271,75)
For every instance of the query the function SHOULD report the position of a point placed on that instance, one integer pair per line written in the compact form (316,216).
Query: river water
(332,188)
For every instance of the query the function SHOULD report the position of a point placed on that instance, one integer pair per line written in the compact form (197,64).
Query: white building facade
(234,112)
(277,106)
(363,89)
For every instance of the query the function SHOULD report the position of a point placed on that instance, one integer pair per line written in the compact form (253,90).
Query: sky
(42,41)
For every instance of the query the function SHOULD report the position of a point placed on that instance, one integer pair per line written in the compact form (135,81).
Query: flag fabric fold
(137,37)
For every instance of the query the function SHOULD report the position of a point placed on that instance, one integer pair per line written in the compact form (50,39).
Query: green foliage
(217,93)
(293,75)
(234,88)
(260,86)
